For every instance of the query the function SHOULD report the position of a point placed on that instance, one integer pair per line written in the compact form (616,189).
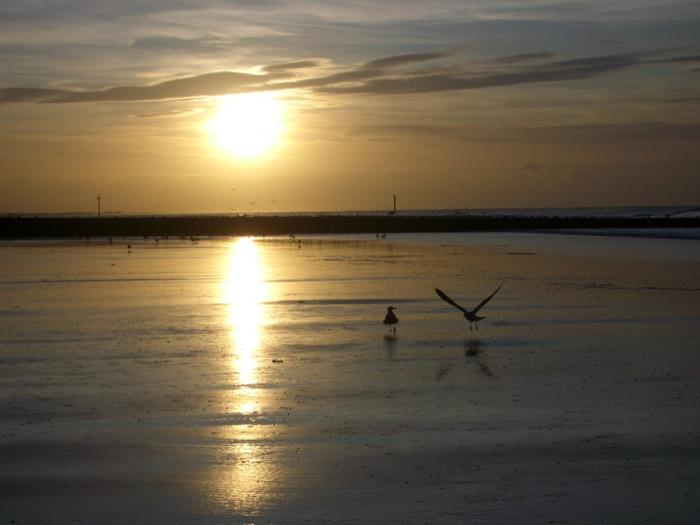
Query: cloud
(575,69)
(336,78)
(285,66)
(524,57)
(164,114)
(531,166)
(549,72)
(622,11)
(598,134)
(676,60)
(18,94)
(210,84)
(378,77)
(585,173)
(400,60)
(404,130)
(169,44)
(623,132)
(680,100)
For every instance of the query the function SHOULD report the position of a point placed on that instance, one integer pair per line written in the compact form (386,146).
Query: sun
(247,125)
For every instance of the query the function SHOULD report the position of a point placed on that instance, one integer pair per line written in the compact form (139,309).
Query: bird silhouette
(390,319)
(469,315)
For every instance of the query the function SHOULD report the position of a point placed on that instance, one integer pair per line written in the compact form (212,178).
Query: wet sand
(251,381)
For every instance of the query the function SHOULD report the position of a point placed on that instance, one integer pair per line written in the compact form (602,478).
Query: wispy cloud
(210,84)
(383,76)
(401,60)
(171,44)
(681,100)
(524,57)
(10,95)
(571,134)
(548,72)
(286,66)
(676,60)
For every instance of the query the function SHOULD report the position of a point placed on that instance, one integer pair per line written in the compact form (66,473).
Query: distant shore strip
(23,227)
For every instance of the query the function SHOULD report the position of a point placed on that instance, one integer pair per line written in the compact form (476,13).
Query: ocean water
(251,380)
(602,212)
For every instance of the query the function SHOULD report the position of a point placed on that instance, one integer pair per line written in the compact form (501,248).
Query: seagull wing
(482,303)
(447,299)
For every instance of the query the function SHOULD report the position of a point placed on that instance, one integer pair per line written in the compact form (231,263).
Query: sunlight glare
(245,291)
(247,125)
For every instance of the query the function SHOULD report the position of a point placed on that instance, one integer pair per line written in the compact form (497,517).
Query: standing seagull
(391,319)
(469,315)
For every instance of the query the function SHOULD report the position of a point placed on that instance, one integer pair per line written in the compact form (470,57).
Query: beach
(251,380)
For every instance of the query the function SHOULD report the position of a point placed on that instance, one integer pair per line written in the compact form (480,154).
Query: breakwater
(25,227)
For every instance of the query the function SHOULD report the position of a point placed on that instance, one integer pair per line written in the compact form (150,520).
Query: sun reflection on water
(245,291)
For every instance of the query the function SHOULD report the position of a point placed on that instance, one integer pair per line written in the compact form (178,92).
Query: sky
(447,104)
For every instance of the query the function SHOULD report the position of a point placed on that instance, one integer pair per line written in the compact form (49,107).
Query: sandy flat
(252,381)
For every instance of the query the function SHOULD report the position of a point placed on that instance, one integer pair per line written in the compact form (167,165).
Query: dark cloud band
(383,76)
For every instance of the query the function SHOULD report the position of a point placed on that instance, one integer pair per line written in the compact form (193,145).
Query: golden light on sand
(245,291)
(247,125)
(238,486)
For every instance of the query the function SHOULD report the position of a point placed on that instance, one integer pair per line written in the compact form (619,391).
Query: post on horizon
(99,209)
(394,211)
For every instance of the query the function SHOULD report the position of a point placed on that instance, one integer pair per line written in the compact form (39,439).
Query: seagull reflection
(485,369)
(390,345)
(473,347)
(474,352)
(476,348)
(443,371)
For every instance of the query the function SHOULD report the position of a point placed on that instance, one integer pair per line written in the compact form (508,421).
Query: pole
(99,210)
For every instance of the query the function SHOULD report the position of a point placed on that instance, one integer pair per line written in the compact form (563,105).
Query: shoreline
(65,227)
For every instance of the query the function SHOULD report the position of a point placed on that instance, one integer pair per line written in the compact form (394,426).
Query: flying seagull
(469,315)
(390,319)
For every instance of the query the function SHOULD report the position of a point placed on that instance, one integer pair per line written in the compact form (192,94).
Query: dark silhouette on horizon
(30,226)
(469,315)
